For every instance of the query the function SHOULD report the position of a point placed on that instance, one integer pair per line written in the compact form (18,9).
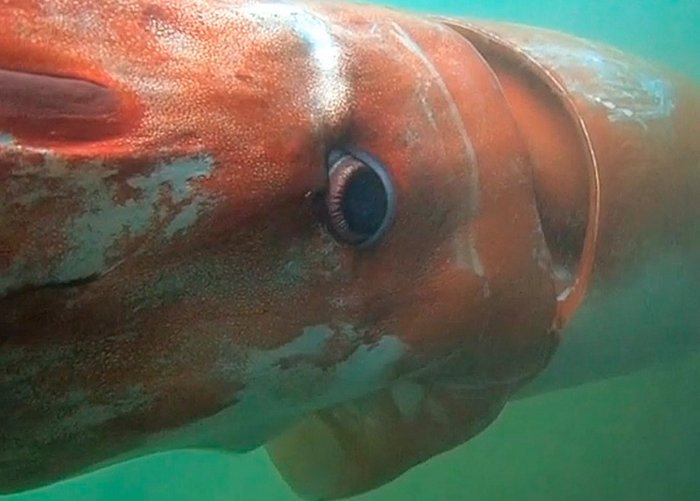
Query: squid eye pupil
(364,205)
(360,199)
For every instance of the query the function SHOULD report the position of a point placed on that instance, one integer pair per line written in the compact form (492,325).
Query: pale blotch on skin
(104,221)
(173,40)
(284,394)
(625,92)
(167,201)
(365,368)
(6,139)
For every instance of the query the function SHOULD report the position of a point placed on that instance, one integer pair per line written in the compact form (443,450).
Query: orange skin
(168,277)
(129,330)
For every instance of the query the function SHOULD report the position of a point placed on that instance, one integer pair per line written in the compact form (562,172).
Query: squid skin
(176,269)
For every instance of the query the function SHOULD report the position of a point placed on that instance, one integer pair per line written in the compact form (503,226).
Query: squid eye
(360,201)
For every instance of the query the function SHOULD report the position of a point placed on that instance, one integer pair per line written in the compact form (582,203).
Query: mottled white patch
(306,385)
(6,139)
(275,396)
(330,89)
(184,219)
(176,176)
(105,221)
(626,91)
(171,39)
(165,202)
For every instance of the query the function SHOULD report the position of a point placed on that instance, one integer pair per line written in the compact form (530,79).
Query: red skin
(163,258)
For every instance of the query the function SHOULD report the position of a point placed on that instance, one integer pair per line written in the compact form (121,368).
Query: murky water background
(633,438)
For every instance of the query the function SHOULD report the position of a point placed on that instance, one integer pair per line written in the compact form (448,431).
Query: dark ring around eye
(360,200)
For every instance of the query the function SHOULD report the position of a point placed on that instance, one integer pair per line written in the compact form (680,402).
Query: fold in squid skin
(347,233)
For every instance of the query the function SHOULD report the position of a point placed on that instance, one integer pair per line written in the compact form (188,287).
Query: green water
(634,438)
